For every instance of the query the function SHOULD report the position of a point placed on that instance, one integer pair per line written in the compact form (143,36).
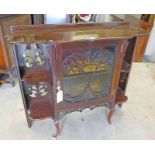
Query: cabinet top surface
(73,32)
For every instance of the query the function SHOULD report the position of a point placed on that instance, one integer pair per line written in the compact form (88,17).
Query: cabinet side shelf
(120,96)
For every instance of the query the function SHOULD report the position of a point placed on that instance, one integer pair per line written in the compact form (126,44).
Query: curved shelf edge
(120,97)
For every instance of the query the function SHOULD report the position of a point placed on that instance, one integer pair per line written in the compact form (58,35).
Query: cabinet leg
(110,115)
(29,123)
(57,126)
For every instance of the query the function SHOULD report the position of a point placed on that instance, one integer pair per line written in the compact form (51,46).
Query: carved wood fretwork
(37,90)
(105,104)
(33,56)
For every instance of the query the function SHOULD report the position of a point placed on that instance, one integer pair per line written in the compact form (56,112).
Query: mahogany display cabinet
(67,68)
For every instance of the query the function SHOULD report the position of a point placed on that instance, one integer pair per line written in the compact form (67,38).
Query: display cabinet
(67,68)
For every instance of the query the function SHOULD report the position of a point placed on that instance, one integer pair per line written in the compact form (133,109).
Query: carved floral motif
(36,90)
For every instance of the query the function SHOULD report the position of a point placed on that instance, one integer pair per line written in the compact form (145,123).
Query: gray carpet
(135,120)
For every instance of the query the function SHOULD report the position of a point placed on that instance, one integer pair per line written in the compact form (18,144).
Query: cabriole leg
(111,113)
(57,126)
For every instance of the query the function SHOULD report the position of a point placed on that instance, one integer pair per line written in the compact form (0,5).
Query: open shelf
(120,96)
(34,73)
(33,77)
(29,71)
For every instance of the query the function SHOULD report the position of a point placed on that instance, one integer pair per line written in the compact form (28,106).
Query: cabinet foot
(29,123)
(120,105)
(110,115)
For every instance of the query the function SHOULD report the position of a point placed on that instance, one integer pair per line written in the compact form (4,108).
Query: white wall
(122,16)
(150,48)
(55,18)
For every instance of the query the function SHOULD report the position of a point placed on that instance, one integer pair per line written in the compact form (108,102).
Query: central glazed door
(86,73)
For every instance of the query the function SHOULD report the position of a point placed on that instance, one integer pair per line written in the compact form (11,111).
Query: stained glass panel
(88,74)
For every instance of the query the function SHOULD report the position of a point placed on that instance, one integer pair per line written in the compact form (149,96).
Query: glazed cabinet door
(86,73)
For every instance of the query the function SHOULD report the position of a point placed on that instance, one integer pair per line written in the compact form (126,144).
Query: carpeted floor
(135,120)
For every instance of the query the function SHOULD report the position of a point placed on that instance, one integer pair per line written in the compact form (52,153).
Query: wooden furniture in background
(6,55)
(149,18)
(67,68)
(141,40)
